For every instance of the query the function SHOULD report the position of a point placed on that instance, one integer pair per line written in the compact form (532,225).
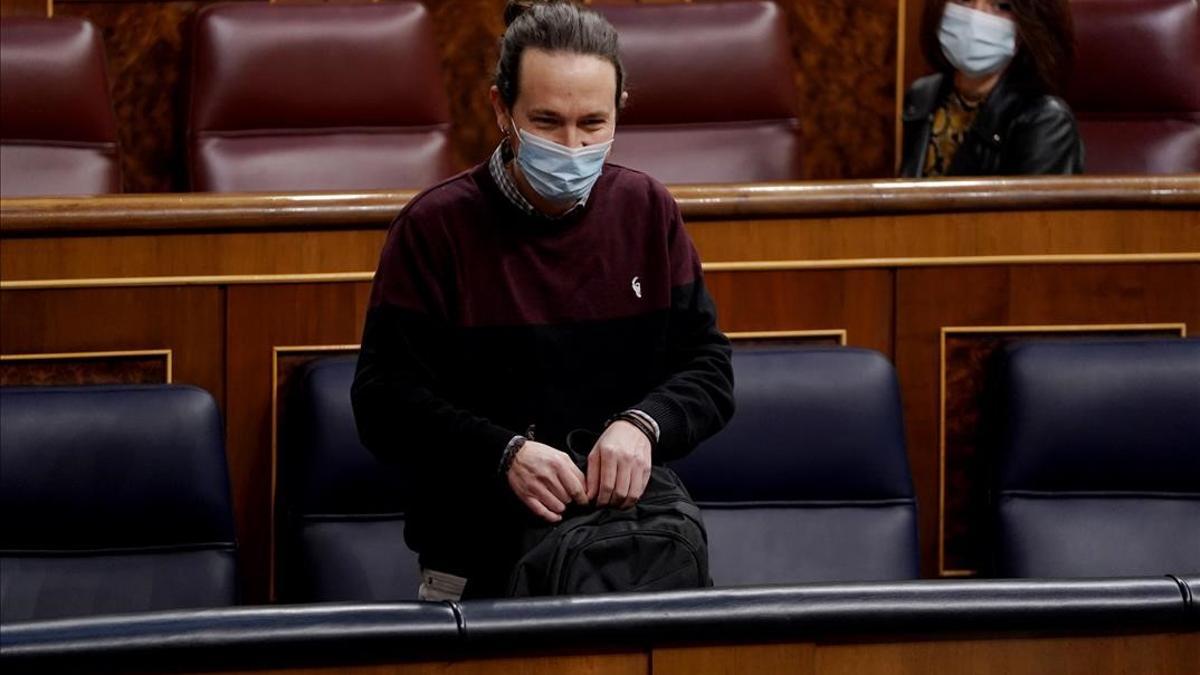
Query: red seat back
(58,133)
(316,97)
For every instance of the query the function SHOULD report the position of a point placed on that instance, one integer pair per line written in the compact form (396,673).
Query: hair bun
(516,8)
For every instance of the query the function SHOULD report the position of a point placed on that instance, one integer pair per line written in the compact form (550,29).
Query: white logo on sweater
(637,287)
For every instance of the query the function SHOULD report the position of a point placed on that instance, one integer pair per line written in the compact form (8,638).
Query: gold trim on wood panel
(839,333)
(948,261)
(735,266)
(65,356)
(275,352)
(990,330)
(195,280)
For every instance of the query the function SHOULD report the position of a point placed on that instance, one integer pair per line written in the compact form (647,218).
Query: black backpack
(658,544)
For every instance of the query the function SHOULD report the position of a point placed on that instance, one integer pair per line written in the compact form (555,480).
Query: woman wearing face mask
(992,108)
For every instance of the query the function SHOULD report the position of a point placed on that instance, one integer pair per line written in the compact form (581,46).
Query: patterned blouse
(951,121)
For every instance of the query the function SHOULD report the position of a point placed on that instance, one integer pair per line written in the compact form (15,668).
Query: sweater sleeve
(398,392)
(695,400)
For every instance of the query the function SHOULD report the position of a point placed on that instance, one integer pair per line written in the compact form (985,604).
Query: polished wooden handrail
(374,209)
(767,200)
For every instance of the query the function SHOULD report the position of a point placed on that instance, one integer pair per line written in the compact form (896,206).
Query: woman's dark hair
(553,26)
(1045,42)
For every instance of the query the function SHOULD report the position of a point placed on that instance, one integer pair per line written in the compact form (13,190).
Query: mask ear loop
(511,123)
(510,136)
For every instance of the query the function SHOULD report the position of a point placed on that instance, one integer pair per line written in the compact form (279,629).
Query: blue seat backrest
(342,510)
(115,499)
(1099,459)
(810,480)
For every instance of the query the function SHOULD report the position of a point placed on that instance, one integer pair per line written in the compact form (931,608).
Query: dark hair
(553,26)
(1045,42)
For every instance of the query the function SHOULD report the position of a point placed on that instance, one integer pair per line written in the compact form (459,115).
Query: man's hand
(619,466)
(545,479)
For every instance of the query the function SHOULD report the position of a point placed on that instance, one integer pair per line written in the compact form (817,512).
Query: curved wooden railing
(215,212)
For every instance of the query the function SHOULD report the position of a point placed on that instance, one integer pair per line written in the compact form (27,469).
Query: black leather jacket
(1016,132)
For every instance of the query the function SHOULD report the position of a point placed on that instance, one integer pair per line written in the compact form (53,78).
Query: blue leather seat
(342,535)
(810,480)
(115,499)
(1099,459)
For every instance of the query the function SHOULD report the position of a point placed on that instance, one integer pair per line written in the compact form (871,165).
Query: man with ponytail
(541,292)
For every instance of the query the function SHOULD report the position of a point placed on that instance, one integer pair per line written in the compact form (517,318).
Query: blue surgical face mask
(976,43)
(558,173)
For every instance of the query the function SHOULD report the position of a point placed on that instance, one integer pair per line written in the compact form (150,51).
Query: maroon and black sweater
(484,321)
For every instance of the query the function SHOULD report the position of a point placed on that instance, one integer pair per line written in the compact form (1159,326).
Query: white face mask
(976,43)
(558,173)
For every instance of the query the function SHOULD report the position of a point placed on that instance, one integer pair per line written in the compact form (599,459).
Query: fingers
(540,510)
(593,475)
(625,471)
(572,481)
(547,498)
(637,486)
(552,483)
(608,478)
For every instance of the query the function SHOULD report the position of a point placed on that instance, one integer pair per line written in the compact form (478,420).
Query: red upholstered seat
(711,96)
(316,97)
(58,133)
(1136,87)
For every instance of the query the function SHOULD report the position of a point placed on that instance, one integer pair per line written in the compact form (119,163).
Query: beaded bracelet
(637,422)
(510,453)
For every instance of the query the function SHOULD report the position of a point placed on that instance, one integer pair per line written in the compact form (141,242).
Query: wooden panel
(928,300)
(1116,655)
(915,65)
(193,255)
(856,301)
(781,659)
(893,238)
(740,227)
(1157,654)
(187,321)
(636,663)
(80,368)
(847,241)
(966,356)
(261,319)
(911,64)
(468,34)
(145,43)
(631,663)
(845,54)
